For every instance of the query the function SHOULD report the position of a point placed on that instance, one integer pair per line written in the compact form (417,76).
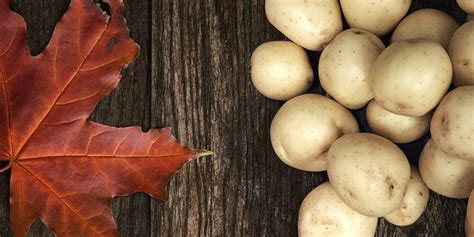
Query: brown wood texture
(193,75)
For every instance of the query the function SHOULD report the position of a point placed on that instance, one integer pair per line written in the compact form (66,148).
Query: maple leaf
(65,169)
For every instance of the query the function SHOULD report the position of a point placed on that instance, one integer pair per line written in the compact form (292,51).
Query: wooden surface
(193,74)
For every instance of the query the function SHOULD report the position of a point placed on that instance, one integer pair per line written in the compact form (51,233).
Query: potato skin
(323,213)
(369,173)
(396,128)
(461,51)
(376,16)
(410,77)
(469,223)
(311,24)
(452,126)
(470,17)
(444,174)
(414,202)
(466,5)
(426,24)
(305,127)
(281,70)
(345,65)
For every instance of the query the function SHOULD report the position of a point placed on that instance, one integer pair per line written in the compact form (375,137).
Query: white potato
(469,223)
(414,202)
(309,23)
(345,65)
(426,24)
(369,173)
(410,77)
(461,51)
(445,174)
(396,128)
(281,70)
(470,17)
(305,127)
(452,126)
(323,213)
(466,5)
(376,16)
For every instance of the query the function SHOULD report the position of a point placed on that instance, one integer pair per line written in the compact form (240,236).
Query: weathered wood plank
(193,75)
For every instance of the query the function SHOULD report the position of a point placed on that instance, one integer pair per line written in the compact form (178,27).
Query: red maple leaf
(65,169)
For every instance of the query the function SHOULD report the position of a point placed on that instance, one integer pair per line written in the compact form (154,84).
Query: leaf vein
(8,115)
(30,159)
(120,143)
(102,65)
(62,91)
(58,197)
(10,45)
(76,100)
(63,123)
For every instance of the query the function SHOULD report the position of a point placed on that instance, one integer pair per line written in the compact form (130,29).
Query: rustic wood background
(193,75)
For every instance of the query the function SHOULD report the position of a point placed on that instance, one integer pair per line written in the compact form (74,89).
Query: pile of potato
(404,89)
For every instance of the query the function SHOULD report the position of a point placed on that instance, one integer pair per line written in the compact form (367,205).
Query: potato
(309,23)
(470,17)
(469,224)
(452,126)
(461,51)
(414,202)
(426,24)
(345,64)
(376,16)
(396,128)
(410,77)
(281,70)
(445,174)
(466,5)
(305,127)
(323,213)
(369,173)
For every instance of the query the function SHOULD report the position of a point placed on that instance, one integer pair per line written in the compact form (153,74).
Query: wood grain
(193,75)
